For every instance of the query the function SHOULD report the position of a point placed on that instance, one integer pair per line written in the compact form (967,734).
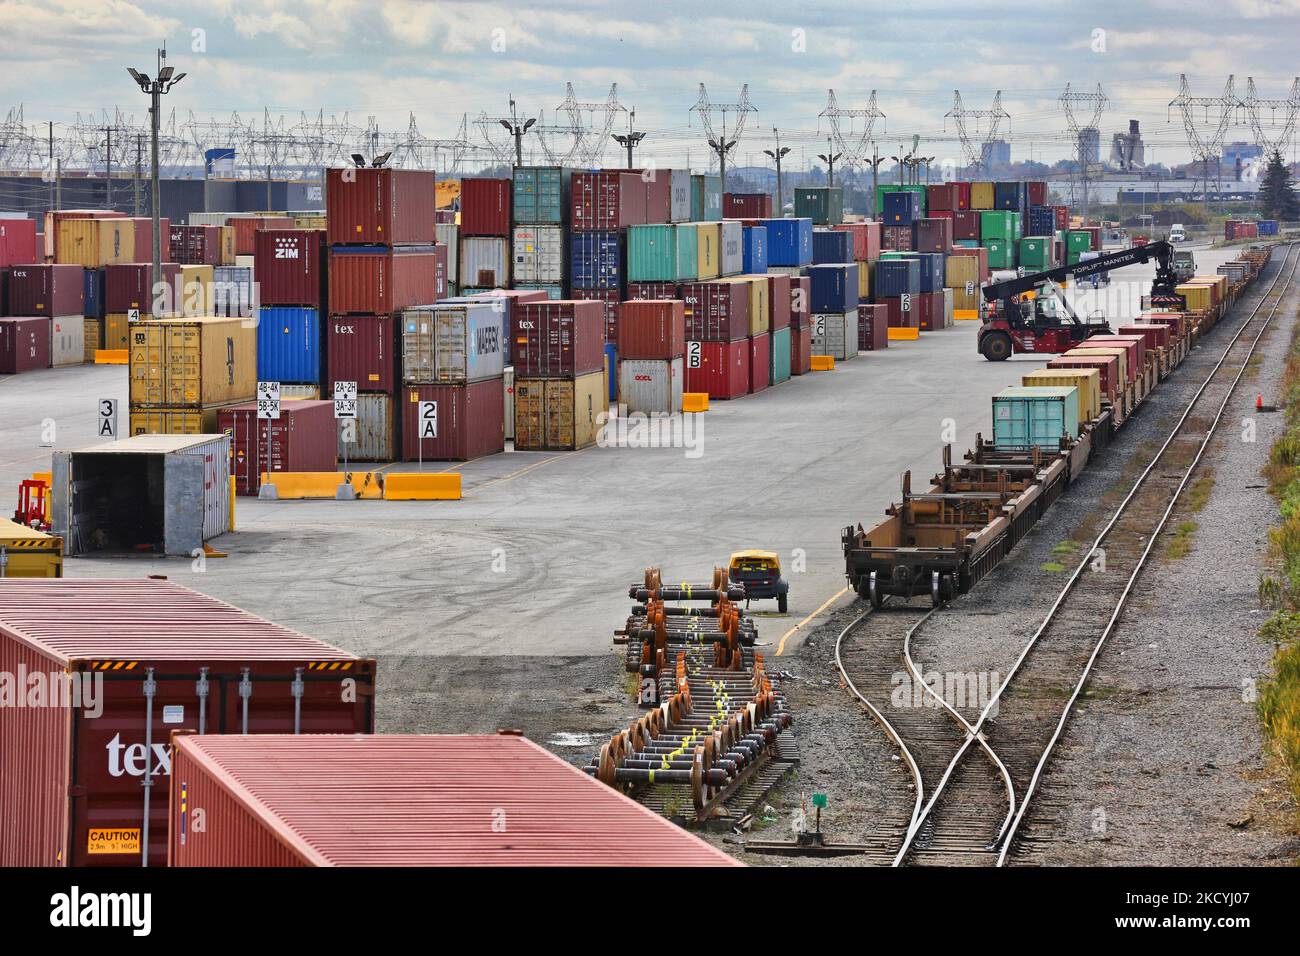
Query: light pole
(631,139)
(517,131)
(829,159)
(167,78)
(777,154)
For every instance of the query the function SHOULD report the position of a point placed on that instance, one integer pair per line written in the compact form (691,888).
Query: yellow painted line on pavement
(780,648)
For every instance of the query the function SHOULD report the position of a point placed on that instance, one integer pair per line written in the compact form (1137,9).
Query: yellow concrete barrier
(407,486)
(822,363)
(323,484)
(903,335)
(111,356)
(965,315)
(695,401)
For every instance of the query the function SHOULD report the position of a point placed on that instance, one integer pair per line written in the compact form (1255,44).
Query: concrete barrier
(903,335)
(408,486)
(111,356)
(822,363)
(695,401)
(324,484)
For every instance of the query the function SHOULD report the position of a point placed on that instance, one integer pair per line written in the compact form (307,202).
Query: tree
(1277,195)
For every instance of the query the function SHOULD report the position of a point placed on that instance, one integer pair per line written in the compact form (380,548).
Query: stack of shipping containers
(485,254)
(558,350)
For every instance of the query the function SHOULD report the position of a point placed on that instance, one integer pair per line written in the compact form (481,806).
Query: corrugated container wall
(374,431)
(469,421)
(484,263)
(193,361)
(290,266)
(24,344)
(538,254)
(541,195)
(377,279)
(361,349)
(303,438)
(288,344)
(450,344)
(380,206)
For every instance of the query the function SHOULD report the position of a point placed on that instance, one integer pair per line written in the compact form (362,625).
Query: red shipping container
(469,424)
(653,290)
(609,298)
(723,370)
(440,270)
(800,302)
(866,239)
(381,279)
(966,224)
(362,349)
(933,235)
(941,213)
(1130,363)
(194,245)
(289,266)
(1138,341)
(24,345)
(1107,365)
(801,350)
(1174,321)
(896,238)
(485,207)
(144,238)
(716,311)
(304,438)
(1037,190)
(129,285)
(963,196)
(18,242)
(607,201)
(658,184)
(47,290)
(928,309)
(746,206)
(652,329)
(72,773)
(901,313)
(560,338)
(760,362)
(380,206)
(873,327)
(1156,334)
(943,196)
(1062,216)
(247,227)
(779,300)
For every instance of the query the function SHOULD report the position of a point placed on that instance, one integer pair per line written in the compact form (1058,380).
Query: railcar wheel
(873,592)
(936,589)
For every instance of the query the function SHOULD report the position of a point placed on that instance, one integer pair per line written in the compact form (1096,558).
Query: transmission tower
(503,151)
(1075,104)
(417,151)
(588,128)
(854,145)
(1254,106)
(723,143)
(995,114)
(1216,115)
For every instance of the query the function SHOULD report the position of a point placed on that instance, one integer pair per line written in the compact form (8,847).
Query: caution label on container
(103,841)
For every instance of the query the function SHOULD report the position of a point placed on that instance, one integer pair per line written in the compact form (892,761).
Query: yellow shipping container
(760,306)
(962,272)
(309,222)
(226,245)
(198,361)
(29,553)
(1120,354)
(196,294)
(1199,297)
(175,419)
(864,280)
(94,331)
(96,242)
(981,195)
(1216,282)
(559,413)
(1086,380)
(709,242)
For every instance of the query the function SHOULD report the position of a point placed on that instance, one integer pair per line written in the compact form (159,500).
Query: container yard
(815,468)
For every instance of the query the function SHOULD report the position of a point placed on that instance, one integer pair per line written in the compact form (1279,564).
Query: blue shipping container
(596,260)
(1009,196)
(789,242)
(833,287)
(832,245)
(754,256)
(933,267)
(288,345)
(611,370)
(1042,221)
(502,303)
(94,293)
(895,277)
(1268,227)
(901,208)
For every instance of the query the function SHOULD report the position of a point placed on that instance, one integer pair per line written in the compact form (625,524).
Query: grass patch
(1182,540)
(1054,567)
(1199,494)
(1066,547)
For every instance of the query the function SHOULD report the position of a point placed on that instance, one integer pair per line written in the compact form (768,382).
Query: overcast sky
(442,58)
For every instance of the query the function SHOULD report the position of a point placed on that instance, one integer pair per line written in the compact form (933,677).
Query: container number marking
(694,355)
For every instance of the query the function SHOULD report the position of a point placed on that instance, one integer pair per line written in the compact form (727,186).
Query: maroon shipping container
(304,438)
(382,279)
(607,201)
(485,207)
(194,245)
(746,206)
(144,237)
(47,290)
(1037,190)
(963,196)
(942,196)
(779,301)
(896,238)
(470,421)
(928,308)
(966,224)
(1106,365)
(289,266)
(658,184)
(560,338)
(652,329)
(18,242)
(1156,334)
(1131,365)
(653,290)
(362,349)
(901,313)
(440,270)
(873,327)
(392,207)
(800,302)
(760,362)
(247,227)
(129,285)
(716,311)
(933,235)
(609,298)
(866,239)
(24,344)
(723,369)
(72,769)
(801,350)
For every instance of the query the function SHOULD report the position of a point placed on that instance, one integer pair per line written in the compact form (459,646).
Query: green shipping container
(779,366)
(706,198)
(1076,241)
(1036,253)
(541,195)
(998,224)
(1002,253)
(824,205)
(1035,416)
(663,253)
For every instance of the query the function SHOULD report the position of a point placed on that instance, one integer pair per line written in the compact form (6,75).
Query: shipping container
(661,252)
(192,291)
(130,286)
(930,312)
(610,299)
(1135,344)
(596,260)
(232,291)
(1086,380)
(362,349)
(67,340)
(1125,373)
(651,386)
(754,249)
(966,225)
(873,327)
(449,236)
(382,279)
(93,294)
(92,338)
(24,344)
(902,208)
(1106,366)
(706,199)
(760,309)
(452,343)
(485,207)
(824,205)
(93,243)
(1009,196)
(375,429)
(899,311)
(194,245)
(680,185)
(72,775)
(998,224)
(716,311)
(831,246)
(538,254)
(380,206)
(651,329)
(541,195)
(289,344)
(834,288)
(835,334)
(747,205)
(508,381)
(801,350)
(52,221)
(47,290)
(896,238)
(18,244)
(779,356)
(303,438)
(201,361)
(246,229)
(291,267)
(560,414)
(1157,336)
(731,248)
(719,369)
(866,240)
(557,338)
(1036,254)
(484,263)
(1035,417)
(1036,192)
(933,235)
(708,250)
(176,419)
(1001,253)
(789,241)
(465,421)
(780,300)
(760,362)
(607,201)
(942,196)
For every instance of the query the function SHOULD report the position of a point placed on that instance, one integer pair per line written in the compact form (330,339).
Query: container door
(183,500)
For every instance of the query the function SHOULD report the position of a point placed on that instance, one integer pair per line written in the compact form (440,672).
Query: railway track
(968,808)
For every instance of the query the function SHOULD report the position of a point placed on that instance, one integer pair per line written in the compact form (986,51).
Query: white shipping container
(733,247)
(452,344)
(651,385)
(539,254)
(786,270)
(448,234)
(835,334)
(948,308)
(209,218)
(680,211)
(67,340)
(484,263)
(374,430)
(509,382)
